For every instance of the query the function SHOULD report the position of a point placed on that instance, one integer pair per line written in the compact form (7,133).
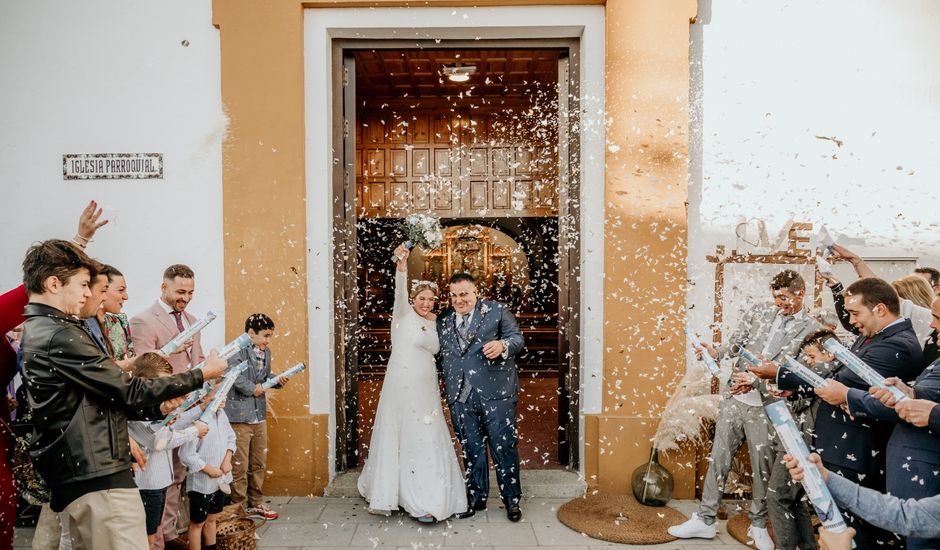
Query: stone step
(535,483)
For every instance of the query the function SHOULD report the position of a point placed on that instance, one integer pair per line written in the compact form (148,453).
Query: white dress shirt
(210,450)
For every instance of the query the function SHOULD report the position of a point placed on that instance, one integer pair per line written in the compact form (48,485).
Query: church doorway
(491,154)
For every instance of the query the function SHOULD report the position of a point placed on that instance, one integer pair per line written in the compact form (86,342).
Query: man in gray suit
(769,331)
(479,339)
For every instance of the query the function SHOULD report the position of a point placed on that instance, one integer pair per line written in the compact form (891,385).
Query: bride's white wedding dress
(411,462)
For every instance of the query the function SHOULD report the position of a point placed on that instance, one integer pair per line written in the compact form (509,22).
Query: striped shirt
(158,474)
(210,450)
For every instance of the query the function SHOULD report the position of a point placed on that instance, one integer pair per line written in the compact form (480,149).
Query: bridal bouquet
(422,230)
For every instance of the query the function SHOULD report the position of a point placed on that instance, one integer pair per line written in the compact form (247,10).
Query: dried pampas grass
(686,411)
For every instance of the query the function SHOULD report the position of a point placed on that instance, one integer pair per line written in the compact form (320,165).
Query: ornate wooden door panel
(453,164)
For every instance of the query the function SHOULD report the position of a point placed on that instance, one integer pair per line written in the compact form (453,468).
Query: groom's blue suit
(486,413)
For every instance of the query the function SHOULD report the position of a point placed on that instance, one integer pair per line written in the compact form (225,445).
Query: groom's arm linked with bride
(479,341)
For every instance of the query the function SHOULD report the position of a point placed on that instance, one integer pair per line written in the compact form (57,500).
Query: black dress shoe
(471,510)
(513,513)
(464,515)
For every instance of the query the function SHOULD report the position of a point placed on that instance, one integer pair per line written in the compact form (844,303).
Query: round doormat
(737,527)
(619,518)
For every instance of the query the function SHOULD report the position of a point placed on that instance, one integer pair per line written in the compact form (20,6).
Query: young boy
(247,411)
(819,361)
(209,462)
(813,348)
(158,475)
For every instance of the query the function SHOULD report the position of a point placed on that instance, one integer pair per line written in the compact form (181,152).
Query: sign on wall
(112,166)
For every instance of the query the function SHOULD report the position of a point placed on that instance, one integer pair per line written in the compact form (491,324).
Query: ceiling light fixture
(458,72)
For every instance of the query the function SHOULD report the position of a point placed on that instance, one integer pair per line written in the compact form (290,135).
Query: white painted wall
(115,77)
(776,76)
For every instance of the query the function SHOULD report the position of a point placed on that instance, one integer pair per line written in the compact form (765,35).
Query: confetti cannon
(299,367)
(222,391)
(710,363)
(859,367)
(187,334)
(813,483)
(804,372)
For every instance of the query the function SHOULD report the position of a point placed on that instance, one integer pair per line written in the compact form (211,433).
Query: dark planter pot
(652,484)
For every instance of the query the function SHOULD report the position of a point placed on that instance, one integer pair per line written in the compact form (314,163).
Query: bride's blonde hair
(419,286)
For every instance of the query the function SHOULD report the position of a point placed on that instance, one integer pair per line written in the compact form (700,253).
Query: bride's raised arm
(401,282)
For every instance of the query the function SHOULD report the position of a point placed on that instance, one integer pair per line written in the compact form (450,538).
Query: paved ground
(342,522)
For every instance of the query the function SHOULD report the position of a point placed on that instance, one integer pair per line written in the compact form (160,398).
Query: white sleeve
(190,458)
(231,441)
(181,437)
(401,293)
(186,418)
(141,433)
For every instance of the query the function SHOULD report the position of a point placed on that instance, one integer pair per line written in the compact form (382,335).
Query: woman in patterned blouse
(114,323)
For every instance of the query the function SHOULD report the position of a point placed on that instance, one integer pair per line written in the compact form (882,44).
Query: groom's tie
(464,327)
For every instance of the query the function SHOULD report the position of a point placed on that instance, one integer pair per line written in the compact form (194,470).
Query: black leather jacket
(81,400)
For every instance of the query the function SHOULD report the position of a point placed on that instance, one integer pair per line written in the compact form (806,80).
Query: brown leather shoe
(179,543)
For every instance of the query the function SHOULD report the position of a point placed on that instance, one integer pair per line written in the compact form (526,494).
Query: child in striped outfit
(209,461)
(158,474)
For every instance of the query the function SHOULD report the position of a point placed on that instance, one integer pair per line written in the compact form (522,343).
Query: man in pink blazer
(154,327)
(150,330)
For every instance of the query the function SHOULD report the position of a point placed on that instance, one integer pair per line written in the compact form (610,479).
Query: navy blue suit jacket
(913,454)
(493,378)
(859,444)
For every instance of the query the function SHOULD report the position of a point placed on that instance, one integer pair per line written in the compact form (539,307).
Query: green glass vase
(652,484)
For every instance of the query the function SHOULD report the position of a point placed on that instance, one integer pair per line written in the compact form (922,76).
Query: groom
(479,339)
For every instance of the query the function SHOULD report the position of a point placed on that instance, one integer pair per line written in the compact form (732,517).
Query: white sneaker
(694,528)
(761,538)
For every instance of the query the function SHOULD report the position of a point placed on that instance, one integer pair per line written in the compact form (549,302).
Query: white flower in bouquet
(422,230)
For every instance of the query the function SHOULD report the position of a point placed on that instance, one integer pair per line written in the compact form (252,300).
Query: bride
(412,463)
